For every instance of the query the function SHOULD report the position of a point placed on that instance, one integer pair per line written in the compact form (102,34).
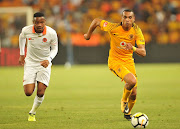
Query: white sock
(36,104)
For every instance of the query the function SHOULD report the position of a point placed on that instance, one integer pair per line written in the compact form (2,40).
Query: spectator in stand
(151,16)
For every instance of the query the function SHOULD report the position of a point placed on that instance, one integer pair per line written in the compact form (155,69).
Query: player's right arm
(96,22)
(22,43)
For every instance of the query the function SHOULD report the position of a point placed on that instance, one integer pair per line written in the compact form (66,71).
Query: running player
(42,47)
(123,36)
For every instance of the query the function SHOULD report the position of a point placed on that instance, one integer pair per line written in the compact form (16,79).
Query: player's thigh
(131,68)
(41,88)
(119,70)
(29,89)
(29,75)
(43,75)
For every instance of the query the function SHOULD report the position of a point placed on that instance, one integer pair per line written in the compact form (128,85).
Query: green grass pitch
(88,97)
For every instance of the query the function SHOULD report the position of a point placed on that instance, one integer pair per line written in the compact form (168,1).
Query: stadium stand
(159,20)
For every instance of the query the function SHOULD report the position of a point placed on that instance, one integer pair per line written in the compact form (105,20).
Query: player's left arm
(53,52)
(139,50)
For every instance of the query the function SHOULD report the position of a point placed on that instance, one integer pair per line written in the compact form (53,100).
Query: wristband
(134,49)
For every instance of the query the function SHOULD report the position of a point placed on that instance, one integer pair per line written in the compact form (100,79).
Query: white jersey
(40,46)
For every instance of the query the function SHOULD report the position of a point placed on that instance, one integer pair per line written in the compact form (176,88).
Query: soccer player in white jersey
(42,47)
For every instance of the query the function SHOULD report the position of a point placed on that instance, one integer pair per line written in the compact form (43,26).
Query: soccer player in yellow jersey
(123,36)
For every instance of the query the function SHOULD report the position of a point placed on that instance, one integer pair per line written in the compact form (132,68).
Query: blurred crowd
(158,19)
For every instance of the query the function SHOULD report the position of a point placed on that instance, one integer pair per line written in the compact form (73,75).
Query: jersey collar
(44,31)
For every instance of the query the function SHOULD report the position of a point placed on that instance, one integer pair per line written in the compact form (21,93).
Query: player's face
(39,24)
(127,19)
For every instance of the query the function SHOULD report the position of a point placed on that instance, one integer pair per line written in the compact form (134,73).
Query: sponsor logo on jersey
(30,39)
(105,24)
(131,36)
(44,39)
(122,45)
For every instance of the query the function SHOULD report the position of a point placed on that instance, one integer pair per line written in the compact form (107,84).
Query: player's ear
(33,20)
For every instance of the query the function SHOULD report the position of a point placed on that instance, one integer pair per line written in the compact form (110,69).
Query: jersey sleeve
(22,42)
(108,26)
(54,46)
(23,33)
(54,40)
(139,35)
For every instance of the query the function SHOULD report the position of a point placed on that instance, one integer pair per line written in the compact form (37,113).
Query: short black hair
(128,10)
(39,14)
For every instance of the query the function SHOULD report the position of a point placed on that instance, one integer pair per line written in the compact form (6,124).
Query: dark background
(156,53)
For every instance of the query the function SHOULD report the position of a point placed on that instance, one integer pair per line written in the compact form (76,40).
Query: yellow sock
(126,94)
(131,105)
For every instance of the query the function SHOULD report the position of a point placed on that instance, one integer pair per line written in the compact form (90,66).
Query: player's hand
(129,46)
(45,63)
(86,37)
(21,60)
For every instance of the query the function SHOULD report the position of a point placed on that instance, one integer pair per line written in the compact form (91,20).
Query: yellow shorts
(121,68)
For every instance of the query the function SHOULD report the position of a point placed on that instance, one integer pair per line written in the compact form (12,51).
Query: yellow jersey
(119,39)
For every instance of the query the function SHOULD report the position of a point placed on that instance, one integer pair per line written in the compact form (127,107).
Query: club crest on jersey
(44,39)
(141,40)
(119,70)
(131,36)
(105,24)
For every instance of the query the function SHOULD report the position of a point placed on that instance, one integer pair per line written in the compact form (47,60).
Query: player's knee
(29,89)
(27,93)
(132,83)
(40,94)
